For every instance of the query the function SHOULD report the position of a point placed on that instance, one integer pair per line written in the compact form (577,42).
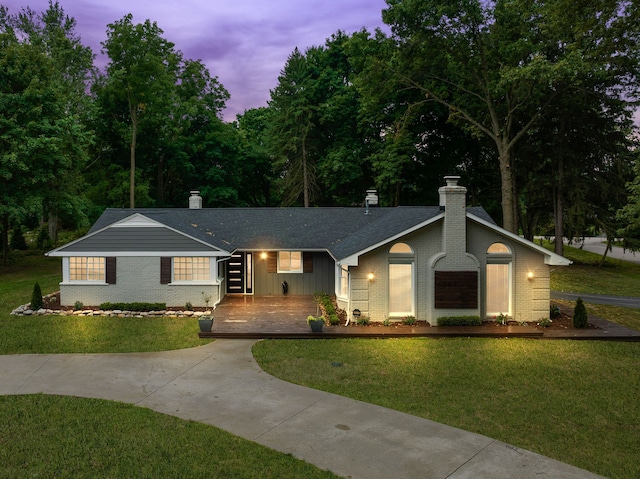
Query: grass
(70,334)
(575,401)
(615,277)
(53,436)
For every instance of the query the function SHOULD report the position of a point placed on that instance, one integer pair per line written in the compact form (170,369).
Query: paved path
(221,384)
(597,244)
(626,301)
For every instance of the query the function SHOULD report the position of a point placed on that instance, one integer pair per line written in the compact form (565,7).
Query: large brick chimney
(453,200)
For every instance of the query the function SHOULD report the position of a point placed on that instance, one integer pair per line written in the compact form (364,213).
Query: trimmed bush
(459,321)
(36,297)
(580,318)
(554,312)
(409,320)
(134,306)
(17,240)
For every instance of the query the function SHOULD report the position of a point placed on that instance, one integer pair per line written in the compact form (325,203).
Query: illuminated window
(289,261)
(86,268)
(401,248)
(498,280)
(191,269)
(401,280)
(498,248)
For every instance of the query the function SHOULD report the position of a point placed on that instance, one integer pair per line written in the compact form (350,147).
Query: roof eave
(550,258)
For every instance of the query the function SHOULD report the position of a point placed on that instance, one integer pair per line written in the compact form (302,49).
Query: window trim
(499,258)
(208,280)
(300,269)
(67,270)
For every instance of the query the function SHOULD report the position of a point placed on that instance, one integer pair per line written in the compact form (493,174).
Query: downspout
(220,283)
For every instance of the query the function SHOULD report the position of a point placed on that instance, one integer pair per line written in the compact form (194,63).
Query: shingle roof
(341,231)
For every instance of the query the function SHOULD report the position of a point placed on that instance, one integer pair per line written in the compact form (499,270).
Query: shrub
(36,297)
(410,320)
(580,318)
(554,311)
(459,321)
(363,321)
(188,306)
(17,240)
(78,305)
(544,322)
(334,319)
(134,306)
(43,240)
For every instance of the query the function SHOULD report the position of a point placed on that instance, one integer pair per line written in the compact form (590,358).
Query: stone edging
(25,310)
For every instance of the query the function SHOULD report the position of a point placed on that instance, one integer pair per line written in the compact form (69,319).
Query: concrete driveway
(220,384)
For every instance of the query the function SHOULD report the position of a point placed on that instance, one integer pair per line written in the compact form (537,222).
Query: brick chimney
(195,200)
(453,200)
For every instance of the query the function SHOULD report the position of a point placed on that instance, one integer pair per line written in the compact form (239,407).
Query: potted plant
(206,323)
(316,324)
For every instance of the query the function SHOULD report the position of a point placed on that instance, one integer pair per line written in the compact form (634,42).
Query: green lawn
(575,401)
(52,436)
(67,437)
(615,277)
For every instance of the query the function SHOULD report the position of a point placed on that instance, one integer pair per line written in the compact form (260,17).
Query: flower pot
(205,323)
(316,326)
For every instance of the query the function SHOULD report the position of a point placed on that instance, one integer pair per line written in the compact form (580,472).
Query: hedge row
(134,306)
(459,321)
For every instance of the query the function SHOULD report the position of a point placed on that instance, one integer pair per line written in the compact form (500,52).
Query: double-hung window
(290,262)
(86,268)
(186,268)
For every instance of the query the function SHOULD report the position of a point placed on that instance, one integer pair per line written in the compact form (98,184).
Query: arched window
(498,248)
(498,280)
(401,248)
(401,280)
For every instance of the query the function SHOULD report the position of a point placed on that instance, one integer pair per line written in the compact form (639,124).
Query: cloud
(245,43)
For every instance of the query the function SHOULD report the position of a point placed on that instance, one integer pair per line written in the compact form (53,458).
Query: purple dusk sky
(245,43)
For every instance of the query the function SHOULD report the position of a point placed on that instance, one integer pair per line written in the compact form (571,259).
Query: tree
(292,131)
(42,136)
(629,214)
(499,66)
(140,76)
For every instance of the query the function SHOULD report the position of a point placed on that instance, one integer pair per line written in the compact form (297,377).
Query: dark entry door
(239,273)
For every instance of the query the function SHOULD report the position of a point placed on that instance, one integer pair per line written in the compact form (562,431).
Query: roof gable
(136,235)
(550,257)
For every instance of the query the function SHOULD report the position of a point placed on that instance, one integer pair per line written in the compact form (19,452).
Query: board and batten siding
(268,281)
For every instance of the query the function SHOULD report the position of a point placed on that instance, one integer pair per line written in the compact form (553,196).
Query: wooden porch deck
(280,316)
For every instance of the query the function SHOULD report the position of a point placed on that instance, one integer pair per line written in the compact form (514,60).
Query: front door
(240,273)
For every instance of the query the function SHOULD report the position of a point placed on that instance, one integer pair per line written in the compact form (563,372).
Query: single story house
(421,261)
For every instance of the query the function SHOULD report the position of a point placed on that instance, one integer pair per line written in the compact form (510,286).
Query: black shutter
(307,262)
(165,270)
(110,264)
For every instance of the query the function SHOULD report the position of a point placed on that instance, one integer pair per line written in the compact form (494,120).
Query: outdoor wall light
(263,255)
(530,275)
(370,276)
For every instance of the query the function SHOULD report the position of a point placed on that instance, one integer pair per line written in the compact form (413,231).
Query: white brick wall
(137,280)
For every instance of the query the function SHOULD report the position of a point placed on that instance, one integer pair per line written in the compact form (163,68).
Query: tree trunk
(509,205)
(305,173)
(5,240)
(132,175)
(558,213)
(53,226)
